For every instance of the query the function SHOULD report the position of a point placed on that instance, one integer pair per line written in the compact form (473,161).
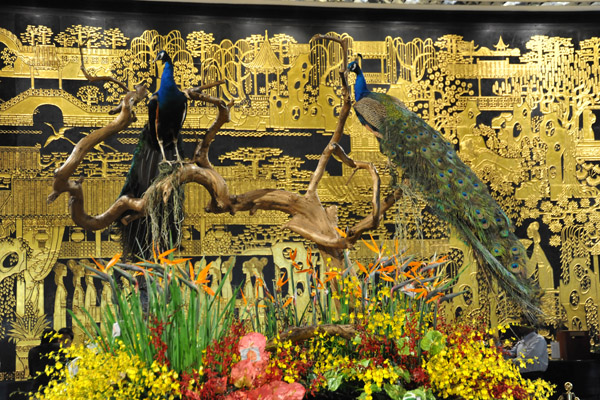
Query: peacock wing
(370,113)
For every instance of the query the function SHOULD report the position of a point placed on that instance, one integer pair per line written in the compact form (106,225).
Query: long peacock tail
(453,191)
(162,226)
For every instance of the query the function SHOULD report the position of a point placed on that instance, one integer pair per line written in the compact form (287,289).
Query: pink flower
(278,390)
(252,347)
(243,374)
(262,393)
(237,395)
(287,391)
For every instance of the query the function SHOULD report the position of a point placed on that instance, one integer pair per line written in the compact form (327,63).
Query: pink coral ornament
(252,347)
(243,374)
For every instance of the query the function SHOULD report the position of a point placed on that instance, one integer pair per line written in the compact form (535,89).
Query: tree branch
(339,130)
(368,222)
(201,153)
(62,175)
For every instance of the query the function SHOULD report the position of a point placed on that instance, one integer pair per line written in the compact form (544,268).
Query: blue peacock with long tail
(158,144)
(452,190)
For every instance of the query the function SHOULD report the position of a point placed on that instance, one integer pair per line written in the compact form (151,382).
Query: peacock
(159,141)
(452,190)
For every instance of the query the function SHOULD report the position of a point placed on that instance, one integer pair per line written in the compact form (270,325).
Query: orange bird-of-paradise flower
(259,283)
(362,268)
(208,290)
(341,232)
(293,254)
(372,246)
(435,297)
(109,265)
(280,282)
(426,284)
(389,268)
(331,275)
(386,277)
(300,271)
(288,302)
(309,257)
(202,278)
(163,256)
(419,291)
(412,272)
(320,284)
(177,261)
(154,249)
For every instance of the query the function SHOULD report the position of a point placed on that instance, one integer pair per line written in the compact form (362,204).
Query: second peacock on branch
(452,190)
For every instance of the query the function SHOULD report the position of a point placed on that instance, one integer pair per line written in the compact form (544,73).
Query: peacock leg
(179,160)
(162,150)
(159,140)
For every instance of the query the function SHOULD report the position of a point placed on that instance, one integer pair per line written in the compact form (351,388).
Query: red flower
(217,385)
(420,376)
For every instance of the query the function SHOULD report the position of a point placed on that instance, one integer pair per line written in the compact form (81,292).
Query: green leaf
(419,394)
(334,382)
(364,363)
(402,373)
(433,342)
(396,392)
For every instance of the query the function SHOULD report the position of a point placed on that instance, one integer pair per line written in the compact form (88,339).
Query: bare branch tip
(51,197)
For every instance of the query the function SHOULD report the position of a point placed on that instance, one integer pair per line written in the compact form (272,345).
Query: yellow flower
(104,375)
(479,372)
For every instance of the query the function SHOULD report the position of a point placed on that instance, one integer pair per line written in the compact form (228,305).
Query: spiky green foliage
(171,311)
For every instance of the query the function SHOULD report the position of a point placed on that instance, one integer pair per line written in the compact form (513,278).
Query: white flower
(116,331)
(408,290)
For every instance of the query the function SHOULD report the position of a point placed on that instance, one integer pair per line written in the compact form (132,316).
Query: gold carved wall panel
(522,113)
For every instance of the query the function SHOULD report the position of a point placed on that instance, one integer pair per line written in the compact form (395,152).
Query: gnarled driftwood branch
(308,216)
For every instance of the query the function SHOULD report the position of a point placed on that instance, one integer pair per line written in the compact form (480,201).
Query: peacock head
(354,66)
(162,56)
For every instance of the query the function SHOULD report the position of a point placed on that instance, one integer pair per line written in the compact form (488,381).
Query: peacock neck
(167,79)
(360,86)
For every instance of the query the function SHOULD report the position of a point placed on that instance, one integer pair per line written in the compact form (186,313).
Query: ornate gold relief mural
(522,115)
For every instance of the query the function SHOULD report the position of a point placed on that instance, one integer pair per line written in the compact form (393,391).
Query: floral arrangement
(374,332)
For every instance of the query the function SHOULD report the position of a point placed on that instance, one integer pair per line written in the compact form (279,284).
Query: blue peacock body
(452,190)
(159,141)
